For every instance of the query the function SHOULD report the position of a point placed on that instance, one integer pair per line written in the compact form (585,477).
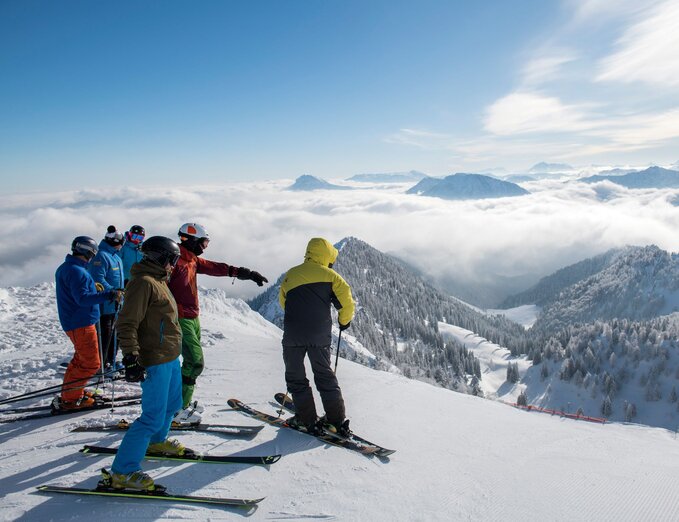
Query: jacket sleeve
(83,291)
(342,292)
(281,293)
(137,298)
(98,269)
(212,268)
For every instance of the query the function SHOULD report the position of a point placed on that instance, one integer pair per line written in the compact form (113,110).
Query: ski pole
(285,399)
(339,337)
(112,339)
(36,393)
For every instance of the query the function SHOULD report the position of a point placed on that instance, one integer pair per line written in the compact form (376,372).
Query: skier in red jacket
(194,240)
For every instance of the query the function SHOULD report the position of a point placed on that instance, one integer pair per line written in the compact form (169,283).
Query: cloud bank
(263,227)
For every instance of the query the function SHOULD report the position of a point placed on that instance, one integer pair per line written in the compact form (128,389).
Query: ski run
(458,457)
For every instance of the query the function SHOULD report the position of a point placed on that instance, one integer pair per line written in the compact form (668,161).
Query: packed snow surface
(458,457)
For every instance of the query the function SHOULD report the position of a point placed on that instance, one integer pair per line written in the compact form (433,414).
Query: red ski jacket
(183,281)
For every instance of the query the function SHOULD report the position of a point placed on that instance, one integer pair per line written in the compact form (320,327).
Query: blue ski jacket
(130,254)
(107,268)
(77,298)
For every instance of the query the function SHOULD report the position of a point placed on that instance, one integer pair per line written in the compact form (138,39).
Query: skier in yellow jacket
(306,294)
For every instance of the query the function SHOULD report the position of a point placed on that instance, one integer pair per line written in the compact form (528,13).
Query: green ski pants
(192,357)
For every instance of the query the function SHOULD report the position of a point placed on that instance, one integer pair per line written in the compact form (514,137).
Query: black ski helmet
(137,229)
(161,250)
(84,246)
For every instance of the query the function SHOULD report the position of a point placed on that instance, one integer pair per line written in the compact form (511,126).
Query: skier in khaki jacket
(150,338)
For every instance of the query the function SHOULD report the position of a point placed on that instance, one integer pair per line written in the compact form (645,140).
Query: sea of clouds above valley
(263,227)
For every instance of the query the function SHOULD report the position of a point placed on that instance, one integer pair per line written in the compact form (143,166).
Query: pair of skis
(354,442)
(226,429)
(105,489)
(159,492)
(51,410)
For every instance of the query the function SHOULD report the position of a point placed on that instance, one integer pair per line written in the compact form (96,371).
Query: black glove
(115,296)
(246,273)
(134,372)
(343,327)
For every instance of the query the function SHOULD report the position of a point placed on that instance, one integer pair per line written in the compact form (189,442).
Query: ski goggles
(136,238)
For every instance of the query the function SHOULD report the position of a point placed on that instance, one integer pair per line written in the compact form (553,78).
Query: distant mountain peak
(389,177)
(308,182)
(550,167)
(466,186)
(652,177)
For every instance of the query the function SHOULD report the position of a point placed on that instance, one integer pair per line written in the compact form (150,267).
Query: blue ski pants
(161,398)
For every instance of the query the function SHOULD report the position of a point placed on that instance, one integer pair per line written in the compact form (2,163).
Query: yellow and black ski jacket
(306,294)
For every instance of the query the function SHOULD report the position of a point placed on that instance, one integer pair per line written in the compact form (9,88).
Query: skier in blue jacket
(131,251)
(78,304)
(107,270)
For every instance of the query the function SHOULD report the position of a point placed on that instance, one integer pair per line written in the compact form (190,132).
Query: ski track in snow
(458,457)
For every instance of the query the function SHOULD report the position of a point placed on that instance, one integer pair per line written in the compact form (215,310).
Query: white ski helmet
(188,230)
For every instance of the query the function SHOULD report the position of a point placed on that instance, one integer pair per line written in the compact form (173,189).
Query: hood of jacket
(320,251)
(146,267)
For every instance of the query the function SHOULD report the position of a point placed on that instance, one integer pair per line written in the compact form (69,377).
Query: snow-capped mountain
(389,177)
(307,182)
(636,283)
(466,186)
(652,177)
(458,457)
(397,318)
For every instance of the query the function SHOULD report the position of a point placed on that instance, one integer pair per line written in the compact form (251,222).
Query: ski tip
(234,403)
(384,454)
(272,459)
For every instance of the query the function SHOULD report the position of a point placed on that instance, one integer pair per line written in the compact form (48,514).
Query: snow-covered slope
(458,457)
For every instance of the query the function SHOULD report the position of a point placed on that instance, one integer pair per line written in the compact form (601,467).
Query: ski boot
(189,415)
(136,481)
(169,448)
(58,404)
(341,429)
(315,428)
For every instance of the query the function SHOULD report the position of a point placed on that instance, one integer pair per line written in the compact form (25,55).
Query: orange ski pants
(85,362)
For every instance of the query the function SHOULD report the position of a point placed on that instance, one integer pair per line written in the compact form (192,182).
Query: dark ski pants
(324,378)
(108,339)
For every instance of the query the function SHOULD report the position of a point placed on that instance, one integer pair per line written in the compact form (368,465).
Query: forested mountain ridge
(639,283)
(549,287)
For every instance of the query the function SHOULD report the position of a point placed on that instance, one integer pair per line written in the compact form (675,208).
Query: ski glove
(115,296)
(134,372)
(343,327)
(246,273)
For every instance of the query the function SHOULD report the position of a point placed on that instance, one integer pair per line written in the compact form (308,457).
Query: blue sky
(139,93)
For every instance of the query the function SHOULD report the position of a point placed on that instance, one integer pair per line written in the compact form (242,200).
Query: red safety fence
(557,412)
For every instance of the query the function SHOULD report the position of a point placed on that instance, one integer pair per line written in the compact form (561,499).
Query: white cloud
(546,67)
(264,228)
(648,50)
(532,112)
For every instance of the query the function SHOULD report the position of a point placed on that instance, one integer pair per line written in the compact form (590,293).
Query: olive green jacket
(147,323)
